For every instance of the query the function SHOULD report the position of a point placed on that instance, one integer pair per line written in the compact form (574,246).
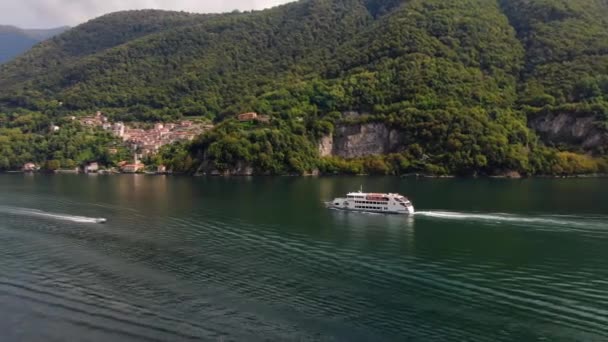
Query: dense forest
(461,79)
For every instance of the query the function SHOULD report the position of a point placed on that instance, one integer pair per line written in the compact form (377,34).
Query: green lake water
(261,259)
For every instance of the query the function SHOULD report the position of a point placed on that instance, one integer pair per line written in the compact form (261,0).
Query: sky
(53,13)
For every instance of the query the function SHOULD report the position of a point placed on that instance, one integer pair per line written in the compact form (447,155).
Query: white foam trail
(40,213)
(588,222)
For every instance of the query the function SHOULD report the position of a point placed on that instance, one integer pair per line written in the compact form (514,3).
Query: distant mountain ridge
(15,41)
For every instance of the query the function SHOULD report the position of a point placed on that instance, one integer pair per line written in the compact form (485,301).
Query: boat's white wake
(572,221)
(54,216)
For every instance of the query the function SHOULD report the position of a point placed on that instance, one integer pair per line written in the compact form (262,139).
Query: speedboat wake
(54,216)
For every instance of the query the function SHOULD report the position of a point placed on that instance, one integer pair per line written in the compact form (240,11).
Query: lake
(261,259)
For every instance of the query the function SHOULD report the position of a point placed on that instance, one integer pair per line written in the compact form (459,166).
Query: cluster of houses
(144,142)
(148,141)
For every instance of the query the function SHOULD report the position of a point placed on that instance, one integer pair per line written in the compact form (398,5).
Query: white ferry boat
(372,202)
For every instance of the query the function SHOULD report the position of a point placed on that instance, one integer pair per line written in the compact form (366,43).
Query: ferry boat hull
(373,203)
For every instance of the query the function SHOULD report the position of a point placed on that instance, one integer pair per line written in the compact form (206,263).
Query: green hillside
(566,49)
(459,78)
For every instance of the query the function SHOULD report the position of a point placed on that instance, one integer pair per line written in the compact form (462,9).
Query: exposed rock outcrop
(359,140)
(569,129)
(326,146)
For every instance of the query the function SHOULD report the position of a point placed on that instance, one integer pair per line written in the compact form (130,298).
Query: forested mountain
(15,41)
(460,81)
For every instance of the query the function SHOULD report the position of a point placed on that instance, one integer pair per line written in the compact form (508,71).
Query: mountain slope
(210,55)
(213,63)
(564,86)
(14,41)
(566,42)
(457,80)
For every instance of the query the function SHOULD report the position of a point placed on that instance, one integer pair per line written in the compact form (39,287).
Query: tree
(4,164)
(51,165)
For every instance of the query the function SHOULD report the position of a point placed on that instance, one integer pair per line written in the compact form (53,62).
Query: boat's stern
(404,205)
(410,209)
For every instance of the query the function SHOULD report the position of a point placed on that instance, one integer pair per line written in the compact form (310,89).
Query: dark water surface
(262,260)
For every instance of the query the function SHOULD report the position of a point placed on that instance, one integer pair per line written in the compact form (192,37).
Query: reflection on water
(374,223)
(255,259)
(389,232)
(364,220)
(394,232)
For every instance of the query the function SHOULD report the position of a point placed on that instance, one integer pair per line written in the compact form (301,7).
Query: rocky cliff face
(568,129)
(241,169)
(359,140)
(326,146)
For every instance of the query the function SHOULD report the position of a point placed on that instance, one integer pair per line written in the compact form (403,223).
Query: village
(142,142)
(148,141)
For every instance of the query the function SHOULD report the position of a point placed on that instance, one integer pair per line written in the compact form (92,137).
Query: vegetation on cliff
(459,78)
(566,67)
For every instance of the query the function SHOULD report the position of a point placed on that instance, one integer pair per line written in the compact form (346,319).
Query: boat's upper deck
(376,197)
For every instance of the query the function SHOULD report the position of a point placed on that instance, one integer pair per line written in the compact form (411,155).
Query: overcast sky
(52,13)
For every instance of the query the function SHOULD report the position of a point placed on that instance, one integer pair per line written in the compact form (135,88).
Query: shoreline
(412,175)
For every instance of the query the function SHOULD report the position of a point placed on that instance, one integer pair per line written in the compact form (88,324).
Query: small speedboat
(100,220)
(373,203)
